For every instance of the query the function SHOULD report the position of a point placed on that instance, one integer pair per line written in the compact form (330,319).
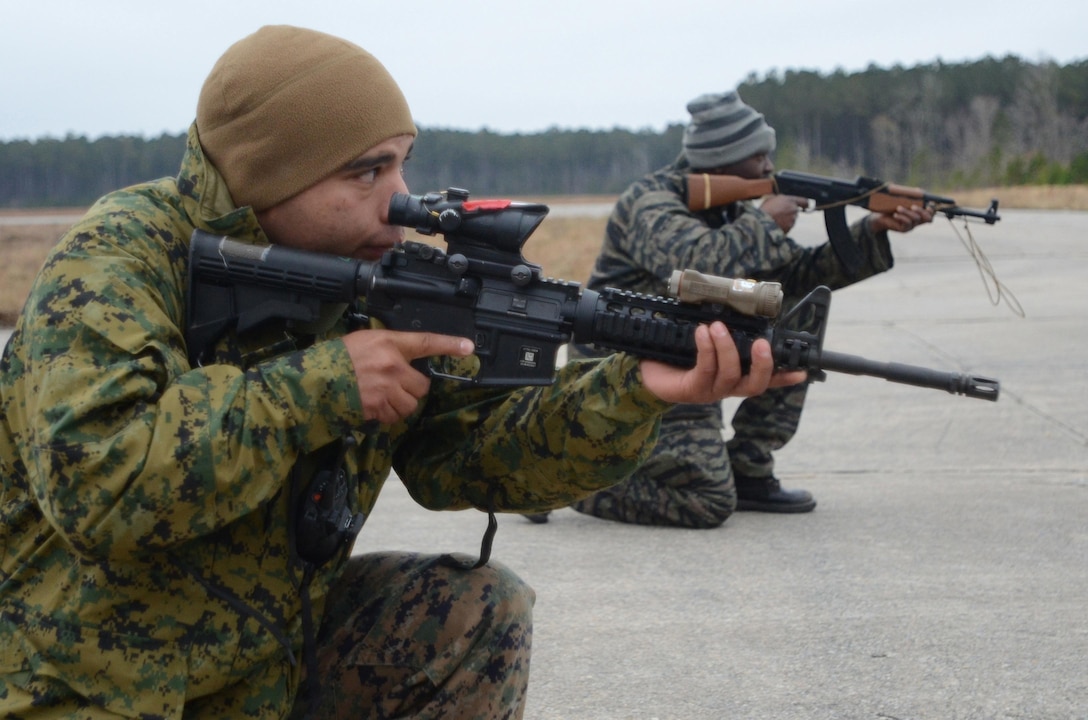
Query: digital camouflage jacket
(651,232)
(143,501)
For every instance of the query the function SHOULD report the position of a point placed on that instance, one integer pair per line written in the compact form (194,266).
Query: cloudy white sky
(114,67)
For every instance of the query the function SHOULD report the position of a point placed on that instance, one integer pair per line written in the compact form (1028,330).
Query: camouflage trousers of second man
(689,479)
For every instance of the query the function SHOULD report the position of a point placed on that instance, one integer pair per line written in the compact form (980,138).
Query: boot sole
(758,506)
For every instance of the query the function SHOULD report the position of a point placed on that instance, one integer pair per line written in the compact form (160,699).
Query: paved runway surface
(944,573)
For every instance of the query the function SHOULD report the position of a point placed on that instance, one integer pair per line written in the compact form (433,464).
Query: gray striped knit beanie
(724,130)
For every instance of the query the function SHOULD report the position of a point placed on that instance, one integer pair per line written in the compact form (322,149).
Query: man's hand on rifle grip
(389,386)
(784,210)
(717,372)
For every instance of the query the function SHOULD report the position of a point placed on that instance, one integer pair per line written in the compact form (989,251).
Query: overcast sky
(110,67)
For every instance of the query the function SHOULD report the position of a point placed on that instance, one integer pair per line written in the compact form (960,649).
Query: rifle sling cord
(986,271)
(485,544)
(1000,290)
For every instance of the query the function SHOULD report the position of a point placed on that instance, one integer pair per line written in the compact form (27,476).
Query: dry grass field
(565,244)
(23,248)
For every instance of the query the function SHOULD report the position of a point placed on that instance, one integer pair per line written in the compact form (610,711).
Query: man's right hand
(784,210)
(389,387)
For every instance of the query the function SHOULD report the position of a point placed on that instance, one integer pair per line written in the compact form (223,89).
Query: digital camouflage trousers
(403,636)
(407,636)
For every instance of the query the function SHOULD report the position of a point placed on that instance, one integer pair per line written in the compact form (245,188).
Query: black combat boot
(765,494)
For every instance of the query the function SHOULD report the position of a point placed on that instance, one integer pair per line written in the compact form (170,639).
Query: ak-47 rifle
(831,195)
(481,287)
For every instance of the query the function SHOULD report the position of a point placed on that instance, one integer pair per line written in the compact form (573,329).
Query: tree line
(996,121)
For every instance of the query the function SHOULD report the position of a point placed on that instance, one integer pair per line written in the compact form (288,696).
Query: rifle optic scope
(498,224)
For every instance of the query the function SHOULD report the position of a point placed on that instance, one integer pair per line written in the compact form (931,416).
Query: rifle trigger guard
(429,368)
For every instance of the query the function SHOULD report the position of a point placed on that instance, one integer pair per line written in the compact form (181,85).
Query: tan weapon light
(751,297)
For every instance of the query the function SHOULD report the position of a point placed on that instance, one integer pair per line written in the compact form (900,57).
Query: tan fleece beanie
(286,107)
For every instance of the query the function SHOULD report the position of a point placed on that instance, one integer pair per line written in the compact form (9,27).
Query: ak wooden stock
(706,191)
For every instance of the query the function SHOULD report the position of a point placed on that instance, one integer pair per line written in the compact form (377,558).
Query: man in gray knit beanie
(724,130)
(694,479)
(726,136)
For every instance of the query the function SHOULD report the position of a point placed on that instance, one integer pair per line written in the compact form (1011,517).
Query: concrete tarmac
(944,573)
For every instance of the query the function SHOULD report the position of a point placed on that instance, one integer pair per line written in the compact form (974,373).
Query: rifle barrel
(989,215)
(973,386)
